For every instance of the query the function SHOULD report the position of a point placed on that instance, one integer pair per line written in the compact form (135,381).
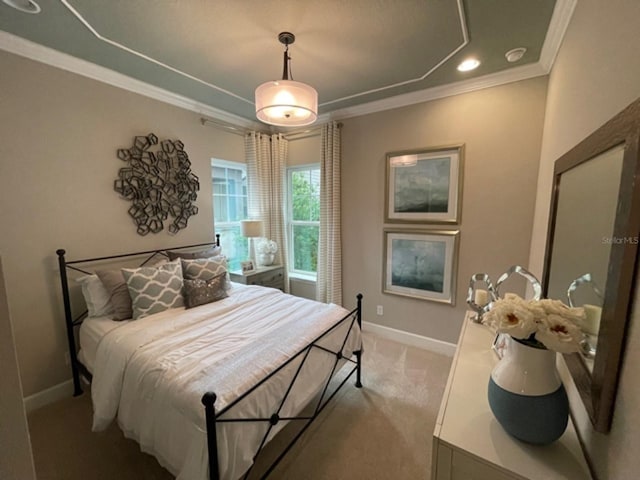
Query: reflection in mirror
(585,216)
(584,292)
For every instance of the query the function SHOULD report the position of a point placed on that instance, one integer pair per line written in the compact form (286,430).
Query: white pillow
(96,296)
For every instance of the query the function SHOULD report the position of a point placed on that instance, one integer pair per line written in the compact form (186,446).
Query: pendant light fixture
(286,103)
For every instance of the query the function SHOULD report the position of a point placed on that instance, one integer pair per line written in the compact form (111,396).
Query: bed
(205,389)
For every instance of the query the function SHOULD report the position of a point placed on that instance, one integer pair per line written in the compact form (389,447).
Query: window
(303,218)
(229,207)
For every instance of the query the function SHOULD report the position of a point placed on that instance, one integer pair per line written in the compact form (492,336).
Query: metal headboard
(77,367)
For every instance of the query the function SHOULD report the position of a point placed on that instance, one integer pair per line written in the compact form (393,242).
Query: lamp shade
(286,103)
(404,161)
(251,228)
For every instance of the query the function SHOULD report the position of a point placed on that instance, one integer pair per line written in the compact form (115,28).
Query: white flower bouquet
(546,324)
(264,246)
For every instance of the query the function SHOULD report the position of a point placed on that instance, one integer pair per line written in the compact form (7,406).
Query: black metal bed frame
(212,418)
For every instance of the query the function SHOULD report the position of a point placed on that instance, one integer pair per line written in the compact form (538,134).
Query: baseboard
(437,346)
(50,395)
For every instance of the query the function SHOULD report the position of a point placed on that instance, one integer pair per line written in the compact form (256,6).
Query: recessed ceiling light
(515,54)
(27,6)
(468,64)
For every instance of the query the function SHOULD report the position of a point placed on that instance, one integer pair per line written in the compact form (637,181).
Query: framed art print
(424,186)
(421,264)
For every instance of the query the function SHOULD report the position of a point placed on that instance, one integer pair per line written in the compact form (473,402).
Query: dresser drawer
(268,279)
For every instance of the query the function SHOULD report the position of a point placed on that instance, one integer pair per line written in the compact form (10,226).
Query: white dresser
(470,444)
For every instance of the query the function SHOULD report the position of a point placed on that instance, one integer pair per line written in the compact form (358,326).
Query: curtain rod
(292,135)
(224,126)
(305,133)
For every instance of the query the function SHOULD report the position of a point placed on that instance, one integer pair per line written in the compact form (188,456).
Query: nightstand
(272,276)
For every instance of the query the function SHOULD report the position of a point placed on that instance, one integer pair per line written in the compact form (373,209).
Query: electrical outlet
(380,310)
(67,359)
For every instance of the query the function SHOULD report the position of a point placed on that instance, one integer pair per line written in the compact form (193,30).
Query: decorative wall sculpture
(159,183)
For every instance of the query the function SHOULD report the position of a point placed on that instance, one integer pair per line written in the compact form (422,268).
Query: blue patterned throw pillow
(154,290)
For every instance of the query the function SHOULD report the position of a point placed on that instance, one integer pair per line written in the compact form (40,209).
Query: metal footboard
(213,417)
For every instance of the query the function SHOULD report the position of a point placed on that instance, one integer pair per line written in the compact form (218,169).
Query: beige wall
(501,128)
(304,151)
(594,77)
(16,460)
(302,288)
(60,133)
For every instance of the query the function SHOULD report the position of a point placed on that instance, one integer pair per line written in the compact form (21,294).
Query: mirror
(591,251)
(587,197)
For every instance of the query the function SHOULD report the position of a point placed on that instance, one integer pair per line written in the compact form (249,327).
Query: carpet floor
(381,431)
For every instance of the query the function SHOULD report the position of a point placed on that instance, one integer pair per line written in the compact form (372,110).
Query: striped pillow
(154,290)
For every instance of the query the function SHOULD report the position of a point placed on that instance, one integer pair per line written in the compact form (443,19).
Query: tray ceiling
(353,52)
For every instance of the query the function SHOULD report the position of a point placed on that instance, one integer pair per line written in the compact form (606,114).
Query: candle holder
(591,325)
(474,295)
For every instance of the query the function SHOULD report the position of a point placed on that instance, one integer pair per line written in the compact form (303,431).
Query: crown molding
(560,19)
(34,51)
(487,81)
(141,55)
(562,13)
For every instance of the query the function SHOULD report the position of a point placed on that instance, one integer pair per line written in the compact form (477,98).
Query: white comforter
(153,372)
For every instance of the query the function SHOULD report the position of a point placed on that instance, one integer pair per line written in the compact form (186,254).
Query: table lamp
(251,229)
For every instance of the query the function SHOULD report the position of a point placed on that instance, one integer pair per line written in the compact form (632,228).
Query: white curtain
(329,283)
(266,158)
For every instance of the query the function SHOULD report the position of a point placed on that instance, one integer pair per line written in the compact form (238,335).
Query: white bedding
(152,373)
(92,330)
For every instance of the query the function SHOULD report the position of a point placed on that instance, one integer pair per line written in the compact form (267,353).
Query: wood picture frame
(424,185)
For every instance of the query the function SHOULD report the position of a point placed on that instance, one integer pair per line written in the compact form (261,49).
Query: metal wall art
(159,183)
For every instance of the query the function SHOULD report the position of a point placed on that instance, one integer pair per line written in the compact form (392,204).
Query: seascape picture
(418,264)
(421,264)
(424,187)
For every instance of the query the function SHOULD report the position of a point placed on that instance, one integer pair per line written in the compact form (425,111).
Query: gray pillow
(116,286)
(210,252)
(204,268)
(154,290)
(199,292)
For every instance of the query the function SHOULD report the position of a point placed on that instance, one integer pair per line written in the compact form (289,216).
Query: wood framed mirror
(591,253)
